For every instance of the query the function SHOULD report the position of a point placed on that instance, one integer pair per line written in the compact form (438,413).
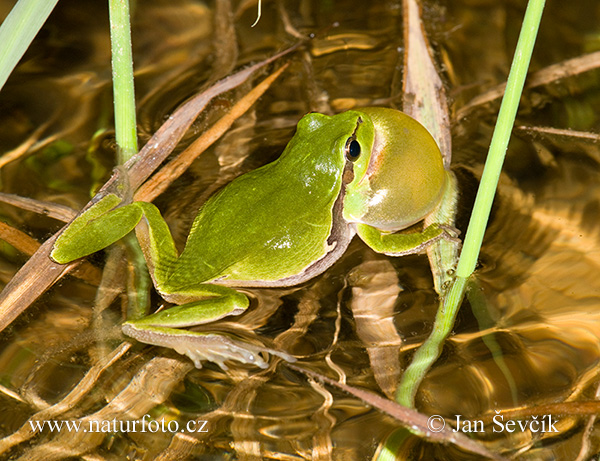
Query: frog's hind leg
(157,244)
(199,346)
(162,329)
(208,303)
(103,224)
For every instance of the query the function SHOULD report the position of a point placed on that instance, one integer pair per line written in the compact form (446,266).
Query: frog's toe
(218,349)
(450,233)
(200,346)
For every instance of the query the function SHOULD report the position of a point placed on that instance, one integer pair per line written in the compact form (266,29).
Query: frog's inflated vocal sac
(370,172)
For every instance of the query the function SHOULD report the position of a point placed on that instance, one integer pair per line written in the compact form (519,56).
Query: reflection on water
(538,278)
(529,334)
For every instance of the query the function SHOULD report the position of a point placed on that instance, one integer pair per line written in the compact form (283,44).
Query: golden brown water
(531,337)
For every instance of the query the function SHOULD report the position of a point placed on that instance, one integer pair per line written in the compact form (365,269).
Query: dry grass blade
(162,143)
(590,407)
(544,76)
(37,275)
(546,130)
(40,272)
(28,245)
(417,422)
(424,96)
(20,240)
(161,180)
(53,210)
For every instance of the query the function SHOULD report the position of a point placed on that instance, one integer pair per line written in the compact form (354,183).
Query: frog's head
(401,179)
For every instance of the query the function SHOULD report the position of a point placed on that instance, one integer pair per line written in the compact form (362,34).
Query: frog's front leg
(401,244)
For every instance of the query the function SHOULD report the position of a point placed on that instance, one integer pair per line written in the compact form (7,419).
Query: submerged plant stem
(126,136)
(428,353)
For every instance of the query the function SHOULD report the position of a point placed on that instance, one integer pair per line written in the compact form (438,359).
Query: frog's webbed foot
(204,346)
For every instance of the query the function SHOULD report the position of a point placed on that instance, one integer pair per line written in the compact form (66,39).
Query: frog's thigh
(399,244)
(217,302)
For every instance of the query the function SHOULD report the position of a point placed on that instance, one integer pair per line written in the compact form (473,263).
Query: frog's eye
(352,149)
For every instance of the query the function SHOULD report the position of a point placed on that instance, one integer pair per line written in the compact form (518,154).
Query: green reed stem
(428,353)
(126,136)
(18,31)
(122,70)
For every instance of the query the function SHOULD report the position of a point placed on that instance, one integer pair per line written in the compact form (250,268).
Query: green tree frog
(370,172)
